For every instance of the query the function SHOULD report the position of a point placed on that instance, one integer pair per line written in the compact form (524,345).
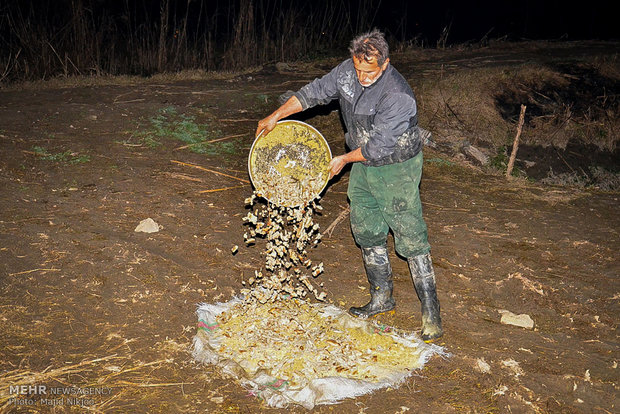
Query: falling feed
(289,233)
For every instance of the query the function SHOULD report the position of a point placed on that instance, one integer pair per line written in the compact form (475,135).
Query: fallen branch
(134,384)
(211,171)
(220,189)
(183,177)
(106,379)
(34,270)
(123,94)
(130,101)
(227,137)
(34,153)
(30,377)
(515,144)
(238,120)
(453,113)
(210,141)
(564,160)
(343,214)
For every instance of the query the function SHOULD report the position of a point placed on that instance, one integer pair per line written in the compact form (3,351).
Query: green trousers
(388,197)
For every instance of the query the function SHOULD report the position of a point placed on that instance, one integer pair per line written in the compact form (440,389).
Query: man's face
(368,71)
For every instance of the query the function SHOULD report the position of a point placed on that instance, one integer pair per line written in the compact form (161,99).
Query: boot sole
(368,315)
(431,339)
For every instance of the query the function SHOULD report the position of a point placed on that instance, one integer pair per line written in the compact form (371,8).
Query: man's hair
(370,45)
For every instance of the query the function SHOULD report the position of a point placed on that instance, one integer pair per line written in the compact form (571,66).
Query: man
(380,113)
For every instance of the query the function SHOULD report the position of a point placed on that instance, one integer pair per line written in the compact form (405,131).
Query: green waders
(384,198)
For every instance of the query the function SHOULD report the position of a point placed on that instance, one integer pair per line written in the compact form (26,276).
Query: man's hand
(290,107)
(337,163)
(266,125)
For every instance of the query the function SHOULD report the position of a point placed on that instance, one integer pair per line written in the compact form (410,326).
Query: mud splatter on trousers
(388,197)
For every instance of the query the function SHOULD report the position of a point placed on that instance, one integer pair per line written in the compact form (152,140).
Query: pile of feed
(293,352)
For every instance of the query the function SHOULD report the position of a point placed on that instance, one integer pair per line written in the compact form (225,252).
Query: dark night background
(45,38)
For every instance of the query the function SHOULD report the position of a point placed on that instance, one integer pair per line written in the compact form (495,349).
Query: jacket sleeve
(320,91)
(393,118)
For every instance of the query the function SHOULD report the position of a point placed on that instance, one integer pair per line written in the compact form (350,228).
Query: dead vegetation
(483,104)
(572,123)
(88,38)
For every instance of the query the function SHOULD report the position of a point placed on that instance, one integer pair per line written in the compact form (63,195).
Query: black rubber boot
(423,276)
(379,273)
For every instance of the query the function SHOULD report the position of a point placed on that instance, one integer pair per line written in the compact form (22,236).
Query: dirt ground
(87,302)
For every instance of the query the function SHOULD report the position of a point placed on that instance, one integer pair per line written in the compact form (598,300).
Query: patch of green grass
(263,98)
(150,142)
(169,124)
(500,162)
(67,157)
(261,102)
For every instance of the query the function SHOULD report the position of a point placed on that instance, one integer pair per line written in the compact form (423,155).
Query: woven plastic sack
(278,392)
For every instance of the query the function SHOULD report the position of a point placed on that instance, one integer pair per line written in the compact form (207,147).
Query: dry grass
(78,81)
(463,103)
(460,105)
(87,38)
(127,377)
(113,362)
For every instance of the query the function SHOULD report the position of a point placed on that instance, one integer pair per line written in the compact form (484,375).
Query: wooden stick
(515,144)
(238,120)
(130,101)
(210,141)
(343,214)
(29,376)
(211,171)
(186,146)
(33,153)
(34,270)
(183,177)
(127,383)
(220,189)
(227,137)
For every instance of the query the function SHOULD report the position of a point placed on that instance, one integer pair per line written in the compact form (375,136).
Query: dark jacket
(381,119)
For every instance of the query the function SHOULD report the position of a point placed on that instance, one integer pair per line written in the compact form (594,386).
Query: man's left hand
(336,165)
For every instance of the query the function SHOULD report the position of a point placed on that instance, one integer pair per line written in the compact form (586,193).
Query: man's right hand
(290,107)
(266,125)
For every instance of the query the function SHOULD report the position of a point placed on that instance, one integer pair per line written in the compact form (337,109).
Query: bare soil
(87,302)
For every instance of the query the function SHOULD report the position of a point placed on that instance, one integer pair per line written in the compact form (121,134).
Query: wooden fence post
(515,144)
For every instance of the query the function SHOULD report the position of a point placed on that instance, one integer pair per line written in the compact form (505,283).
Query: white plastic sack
(309,390)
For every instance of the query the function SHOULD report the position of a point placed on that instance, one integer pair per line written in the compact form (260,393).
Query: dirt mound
(582,89)
(573,101)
